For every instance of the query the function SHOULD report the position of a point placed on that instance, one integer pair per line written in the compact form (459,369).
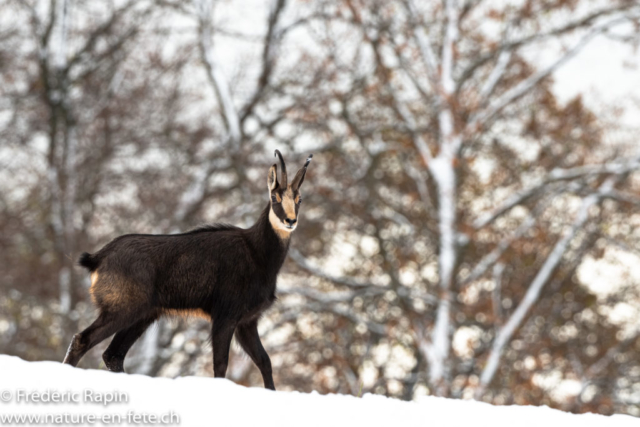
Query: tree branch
(554,176)
(533,292)
(216,76)
(269,53)
(484,116)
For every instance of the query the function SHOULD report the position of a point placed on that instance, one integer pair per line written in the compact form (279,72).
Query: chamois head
(285,198)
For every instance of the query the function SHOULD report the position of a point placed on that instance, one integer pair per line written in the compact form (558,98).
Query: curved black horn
(283,173)
(308,161)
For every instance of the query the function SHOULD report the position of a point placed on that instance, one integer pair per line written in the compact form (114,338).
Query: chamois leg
(103,327)
(221,335)
(114,355)
(247,336)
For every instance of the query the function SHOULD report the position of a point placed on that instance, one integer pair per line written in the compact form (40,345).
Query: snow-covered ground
(121,399)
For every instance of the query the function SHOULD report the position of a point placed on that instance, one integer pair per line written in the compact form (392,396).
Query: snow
(196,401)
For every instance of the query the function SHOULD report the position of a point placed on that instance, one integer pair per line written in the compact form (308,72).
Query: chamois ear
(299,178)
(272,179)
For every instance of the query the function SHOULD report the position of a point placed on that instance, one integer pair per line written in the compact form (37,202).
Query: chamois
(221,272)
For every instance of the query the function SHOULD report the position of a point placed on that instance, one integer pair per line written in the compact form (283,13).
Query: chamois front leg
(247,336)
(221,335)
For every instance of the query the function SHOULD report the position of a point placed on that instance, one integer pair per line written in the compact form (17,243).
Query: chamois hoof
(113,363)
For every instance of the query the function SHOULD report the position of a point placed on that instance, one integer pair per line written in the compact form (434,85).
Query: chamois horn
(283,173)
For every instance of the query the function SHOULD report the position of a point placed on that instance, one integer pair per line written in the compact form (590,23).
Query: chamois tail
(88,261)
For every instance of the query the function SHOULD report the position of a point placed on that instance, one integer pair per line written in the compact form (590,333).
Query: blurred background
(470,219)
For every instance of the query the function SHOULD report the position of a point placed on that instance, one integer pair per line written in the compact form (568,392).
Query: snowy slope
(213,402)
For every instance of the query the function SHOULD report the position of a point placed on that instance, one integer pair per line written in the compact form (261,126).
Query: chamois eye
(299,200)
(274,199)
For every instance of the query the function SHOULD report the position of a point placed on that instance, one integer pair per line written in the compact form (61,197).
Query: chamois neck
(266,237)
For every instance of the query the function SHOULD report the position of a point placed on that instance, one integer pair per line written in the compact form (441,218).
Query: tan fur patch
(111,299)
(109,290)
(94,280)
(191,312)
(288,204)
(283,232)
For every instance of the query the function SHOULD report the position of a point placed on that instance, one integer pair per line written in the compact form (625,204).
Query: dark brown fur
(220,272)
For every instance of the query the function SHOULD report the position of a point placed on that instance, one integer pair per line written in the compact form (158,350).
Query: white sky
(607,74)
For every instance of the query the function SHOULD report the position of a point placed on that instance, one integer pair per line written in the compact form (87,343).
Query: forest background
(470,219)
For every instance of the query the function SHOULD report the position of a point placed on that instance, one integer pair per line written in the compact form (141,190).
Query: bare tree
(447,93)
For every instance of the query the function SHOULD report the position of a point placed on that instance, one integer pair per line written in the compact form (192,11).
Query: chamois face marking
(284,211)
(285,199)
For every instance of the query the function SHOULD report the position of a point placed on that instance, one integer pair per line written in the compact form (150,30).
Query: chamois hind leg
(103,327)
(247,336)
(123,340)
(221,335)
